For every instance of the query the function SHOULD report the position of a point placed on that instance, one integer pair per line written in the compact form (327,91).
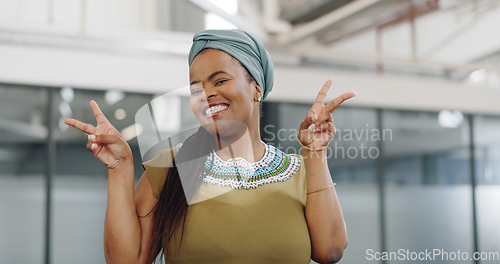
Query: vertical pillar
(381,186)
(50,156)
(472,160)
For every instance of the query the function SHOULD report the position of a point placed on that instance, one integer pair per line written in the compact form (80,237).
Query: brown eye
(220,82)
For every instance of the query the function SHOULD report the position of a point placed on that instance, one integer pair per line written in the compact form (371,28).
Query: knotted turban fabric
(249,51)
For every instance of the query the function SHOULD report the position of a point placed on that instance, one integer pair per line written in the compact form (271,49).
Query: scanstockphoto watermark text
(361,142)
(430,255)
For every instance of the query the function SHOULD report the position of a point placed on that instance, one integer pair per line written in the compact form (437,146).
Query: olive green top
(263,225)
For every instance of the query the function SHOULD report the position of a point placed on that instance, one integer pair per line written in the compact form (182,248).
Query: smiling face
(222,93)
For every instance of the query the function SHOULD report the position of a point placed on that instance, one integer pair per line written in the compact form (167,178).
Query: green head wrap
(249,51)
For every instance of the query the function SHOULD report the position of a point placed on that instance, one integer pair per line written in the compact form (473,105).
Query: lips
(215,109)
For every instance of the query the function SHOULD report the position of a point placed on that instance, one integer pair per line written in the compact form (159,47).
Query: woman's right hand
(104,141)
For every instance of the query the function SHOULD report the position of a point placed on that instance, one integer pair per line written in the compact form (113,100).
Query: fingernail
(315,117)
(311,127)
(94,145)
(92,137)
(355,93)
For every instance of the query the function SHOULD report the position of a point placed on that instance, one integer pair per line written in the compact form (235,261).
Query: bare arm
(122,232)
(127,237)
(323,214)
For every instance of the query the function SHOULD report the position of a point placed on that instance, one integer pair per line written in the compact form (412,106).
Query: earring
(258,98)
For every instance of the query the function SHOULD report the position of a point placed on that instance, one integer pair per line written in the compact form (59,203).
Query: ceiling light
(65,109)
(114,96)
(478,75)
(450,119)
(120,114)
(67,94)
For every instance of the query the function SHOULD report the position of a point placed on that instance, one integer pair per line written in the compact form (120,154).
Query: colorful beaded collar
(238,173)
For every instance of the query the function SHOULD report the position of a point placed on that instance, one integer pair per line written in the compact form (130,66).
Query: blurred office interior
(427,73)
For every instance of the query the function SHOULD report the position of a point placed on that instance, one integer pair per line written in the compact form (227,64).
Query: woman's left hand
(317,129)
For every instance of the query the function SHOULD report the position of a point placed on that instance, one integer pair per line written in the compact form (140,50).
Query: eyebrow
(212,76)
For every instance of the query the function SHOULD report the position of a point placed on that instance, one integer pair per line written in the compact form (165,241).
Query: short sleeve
(302,178)
(157,169)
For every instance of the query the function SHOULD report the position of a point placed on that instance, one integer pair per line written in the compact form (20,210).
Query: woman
(226,197)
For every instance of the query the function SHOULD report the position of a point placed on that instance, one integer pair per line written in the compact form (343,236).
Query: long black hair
(171,208)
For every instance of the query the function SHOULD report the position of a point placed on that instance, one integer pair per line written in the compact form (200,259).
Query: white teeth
(215,109)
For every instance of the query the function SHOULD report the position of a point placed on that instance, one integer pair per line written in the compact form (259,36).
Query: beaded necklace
(238,173)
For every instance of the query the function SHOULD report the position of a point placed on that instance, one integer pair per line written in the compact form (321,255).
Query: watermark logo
(430,255)
(347,143)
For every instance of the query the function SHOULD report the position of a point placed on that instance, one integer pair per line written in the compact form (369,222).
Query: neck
(248,146)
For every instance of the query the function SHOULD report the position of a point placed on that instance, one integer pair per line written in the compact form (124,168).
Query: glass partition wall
(428,194)
(403,177)
(487,175)
(23,133)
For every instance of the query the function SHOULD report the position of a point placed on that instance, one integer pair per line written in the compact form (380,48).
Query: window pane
(80,183)
(428,192)
(23,133)
(487,129)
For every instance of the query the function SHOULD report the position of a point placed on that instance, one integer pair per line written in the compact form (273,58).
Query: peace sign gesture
(317,129)
(104,141)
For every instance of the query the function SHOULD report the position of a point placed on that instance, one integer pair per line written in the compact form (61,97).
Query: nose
(210,93)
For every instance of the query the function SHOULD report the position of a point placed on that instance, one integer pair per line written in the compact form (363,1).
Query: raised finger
(320,99)
(99,116)
(84,127)
(330,107)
